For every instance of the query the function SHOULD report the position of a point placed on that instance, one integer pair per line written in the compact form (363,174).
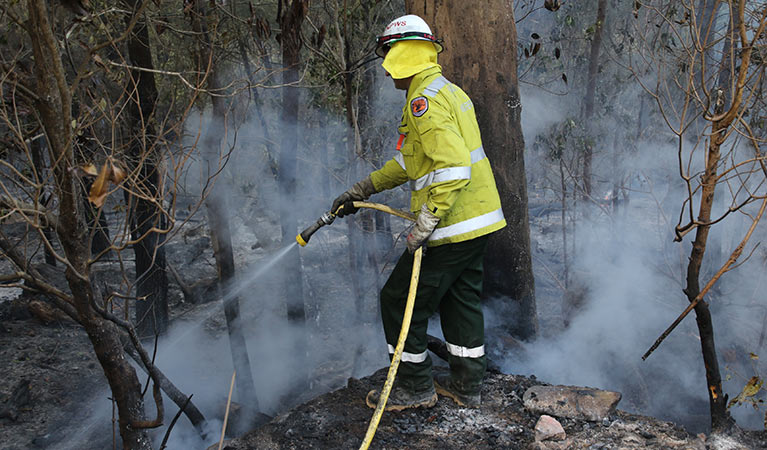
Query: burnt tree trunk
(723,116)
(588,100)
(218,215)
(290,40)
(481,57)
(55,112)
(720,417)
(151,311)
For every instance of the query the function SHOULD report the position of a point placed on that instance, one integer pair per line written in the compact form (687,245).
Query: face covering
(409,57)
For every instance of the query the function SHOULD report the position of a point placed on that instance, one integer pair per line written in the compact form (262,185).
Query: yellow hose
(387,209)
(378,413)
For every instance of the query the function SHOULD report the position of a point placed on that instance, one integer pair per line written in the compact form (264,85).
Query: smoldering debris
(339,419)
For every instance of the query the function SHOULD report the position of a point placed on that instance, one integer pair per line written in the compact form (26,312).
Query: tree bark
(55,109)
(290,40)
(720,417)
(717,400)
(588,100)
(218,216)
(151,310)
(481,57)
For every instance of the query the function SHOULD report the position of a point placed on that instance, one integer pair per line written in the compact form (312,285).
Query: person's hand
(346,209)
(424,226)
(360,191)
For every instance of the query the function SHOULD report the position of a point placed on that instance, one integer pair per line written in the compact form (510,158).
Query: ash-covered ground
(339,420)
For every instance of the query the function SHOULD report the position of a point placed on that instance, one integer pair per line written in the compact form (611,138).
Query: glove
(361,190)
(424,226)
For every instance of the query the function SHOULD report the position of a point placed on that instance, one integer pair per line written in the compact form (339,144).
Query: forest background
(162,156)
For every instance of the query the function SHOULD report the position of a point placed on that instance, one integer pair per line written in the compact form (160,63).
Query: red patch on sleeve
(419,106)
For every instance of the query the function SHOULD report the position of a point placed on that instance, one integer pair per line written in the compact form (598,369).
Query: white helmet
(405,28)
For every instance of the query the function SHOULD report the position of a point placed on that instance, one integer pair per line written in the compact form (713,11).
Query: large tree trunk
(55,111)
(218,217)
(290,39)
(481,58)
(588,100)
(151,312)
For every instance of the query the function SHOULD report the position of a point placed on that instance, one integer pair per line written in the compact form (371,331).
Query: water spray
(303,239)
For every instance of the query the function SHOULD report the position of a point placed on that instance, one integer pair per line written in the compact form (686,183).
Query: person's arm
(391,175)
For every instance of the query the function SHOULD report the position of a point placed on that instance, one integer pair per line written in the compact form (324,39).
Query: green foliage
(563,140)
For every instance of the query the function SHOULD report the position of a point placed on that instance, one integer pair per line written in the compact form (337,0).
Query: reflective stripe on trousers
(410,357)
(465,352)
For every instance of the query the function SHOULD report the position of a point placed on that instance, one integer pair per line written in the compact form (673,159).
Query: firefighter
(439,153)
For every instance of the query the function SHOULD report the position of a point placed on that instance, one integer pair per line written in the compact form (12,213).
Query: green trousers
(451,282)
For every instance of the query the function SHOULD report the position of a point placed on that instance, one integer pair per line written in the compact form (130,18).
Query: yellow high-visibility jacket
(440,152)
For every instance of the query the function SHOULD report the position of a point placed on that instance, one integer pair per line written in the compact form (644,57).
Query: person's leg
(414,373)
(463,326)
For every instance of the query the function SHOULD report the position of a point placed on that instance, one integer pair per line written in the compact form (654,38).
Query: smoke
(342,336)
(626,281)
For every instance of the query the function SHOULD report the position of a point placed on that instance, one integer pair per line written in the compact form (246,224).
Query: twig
(725,268)
(226,414)
(157,422)
(173,423)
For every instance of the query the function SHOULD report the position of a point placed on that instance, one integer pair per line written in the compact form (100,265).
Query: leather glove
(424,226)
(361,190)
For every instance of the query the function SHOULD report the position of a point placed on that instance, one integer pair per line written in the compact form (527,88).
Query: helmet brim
(383,47)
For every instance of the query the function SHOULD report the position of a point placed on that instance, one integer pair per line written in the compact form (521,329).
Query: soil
(52,371)
(339,420)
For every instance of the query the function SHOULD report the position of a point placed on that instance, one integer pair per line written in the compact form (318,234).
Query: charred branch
(133,347)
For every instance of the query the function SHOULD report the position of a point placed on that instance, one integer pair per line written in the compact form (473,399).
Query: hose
(303,239)
(373,426)
(387,209)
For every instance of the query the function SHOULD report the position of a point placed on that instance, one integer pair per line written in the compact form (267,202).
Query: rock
(8,413)
(571,402)
(548,428)
(21,395)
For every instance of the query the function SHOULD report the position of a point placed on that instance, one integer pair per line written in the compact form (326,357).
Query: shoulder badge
(419,106)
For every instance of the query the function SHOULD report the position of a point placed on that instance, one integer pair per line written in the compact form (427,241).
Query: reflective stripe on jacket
(440,153)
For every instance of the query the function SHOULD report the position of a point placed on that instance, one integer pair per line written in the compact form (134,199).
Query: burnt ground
(339,420)
(49,373)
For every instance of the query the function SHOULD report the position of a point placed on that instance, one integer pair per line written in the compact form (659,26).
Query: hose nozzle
(304,236)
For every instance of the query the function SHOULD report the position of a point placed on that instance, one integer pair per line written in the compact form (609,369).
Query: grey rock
(571,402)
